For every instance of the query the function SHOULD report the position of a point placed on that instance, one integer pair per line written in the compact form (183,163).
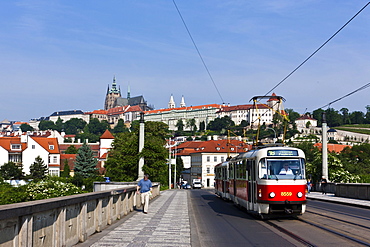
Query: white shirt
(286,172)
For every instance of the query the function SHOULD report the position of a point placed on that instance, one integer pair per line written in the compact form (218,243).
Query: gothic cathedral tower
(112,95)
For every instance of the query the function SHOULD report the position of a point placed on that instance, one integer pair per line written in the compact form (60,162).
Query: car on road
(187,186)
(197,185)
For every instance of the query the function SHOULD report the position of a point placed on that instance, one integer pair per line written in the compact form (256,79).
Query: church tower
(171,104)
(182,103)
(112,95)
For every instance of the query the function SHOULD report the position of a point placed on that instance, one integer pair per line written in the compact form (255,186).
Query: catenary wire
(318,49)
(357,90)
(196,48)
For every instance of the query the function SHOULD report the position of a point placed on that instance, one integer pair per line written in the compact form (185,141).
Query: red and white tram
(266,181)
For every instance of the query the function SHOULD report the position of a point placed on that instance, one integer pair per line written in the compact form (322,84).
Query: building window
(215,158)
(55,159)
(16,147)
(54,173)
(222,158)
(208,170)
(33,146)
(51,147)
(208,158)
(16,158)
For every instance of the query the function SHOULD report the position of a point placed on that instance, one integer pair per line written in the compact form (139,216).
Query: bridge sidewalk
(342,200)
(166,224)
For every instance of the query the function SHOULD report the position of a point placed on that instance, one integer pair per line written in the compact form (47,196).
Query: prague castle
(114,99)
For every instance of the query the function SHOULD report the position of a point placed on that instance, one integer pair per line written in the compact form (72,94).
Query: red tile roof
(107,135)
(6,143)
(305,117)
(273,98)
(49,144)
(212,146)
(337,148)
(102,112)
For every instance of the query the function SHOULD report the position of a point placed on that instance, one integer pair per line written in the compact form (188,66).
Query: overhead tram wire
(201,58)
(357,90)
(318,49)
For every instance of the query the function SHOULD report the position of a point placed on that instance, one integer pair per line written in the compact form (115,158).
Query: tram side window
(263,169)
(244,169)
(231,171)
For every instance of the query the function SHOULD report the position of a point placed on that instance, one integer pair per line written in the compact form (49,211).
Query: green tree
(71,150)
(345,114)
(74,126)
(317,114)
(120,127)
(122,162)
(293,115)
(66,170)
(221,124)
(123,159)
(26,127)
(59,125)
(202,126)
(154,152)
(11,170)
(85,164)
(367,115)
(96,127)
(333,117)
(191,124)
(180,126)
(38,169)
(179,167)
(47,125)
(357,117)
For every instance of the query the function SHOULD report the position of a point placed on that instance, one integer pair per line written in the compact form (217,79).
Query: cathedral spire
(128,92)
(114,87)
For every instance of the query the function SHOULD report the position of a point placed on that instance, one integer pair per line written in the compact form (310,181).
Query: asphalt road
(215,222)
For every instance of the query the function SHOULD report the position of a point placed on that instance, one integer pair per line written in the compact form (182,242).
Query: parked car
(187,186)
(197,185)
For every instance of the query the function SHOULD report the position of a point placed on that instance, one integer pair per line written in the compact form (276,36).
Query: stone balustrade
(65,221)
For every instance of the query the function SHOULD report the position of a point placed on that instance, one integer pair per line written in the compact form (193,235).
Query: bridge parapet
(65,221)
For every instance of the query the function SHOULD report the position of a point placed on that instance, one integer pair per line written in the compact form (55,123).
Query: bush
(10,194)
(49,188)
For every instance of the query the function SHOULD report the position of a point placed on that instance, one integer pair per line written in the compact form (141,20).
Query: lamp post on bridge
(141,146)
(274,132)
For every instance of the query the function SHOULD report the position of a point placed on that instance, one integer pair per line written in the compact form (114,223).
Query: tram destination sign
(282,153)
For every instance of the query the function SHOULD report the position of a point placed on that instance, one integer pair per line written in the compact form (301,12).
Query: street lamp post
(274,133)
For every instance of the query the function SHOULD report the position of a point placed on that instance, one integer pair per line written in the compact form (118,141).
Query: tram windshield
(281,169)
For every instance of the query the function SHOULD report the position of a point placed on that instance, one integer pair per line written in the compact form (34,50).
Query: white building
(205,155)
(24,149)
(171,116)
(68,115)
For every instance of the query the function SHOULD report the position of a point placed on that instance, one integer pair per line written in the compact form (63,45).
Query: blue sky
(61,55)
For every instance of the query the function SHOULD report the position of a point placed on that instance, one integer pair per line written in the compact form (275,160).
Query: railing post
(98,215)
(82,218)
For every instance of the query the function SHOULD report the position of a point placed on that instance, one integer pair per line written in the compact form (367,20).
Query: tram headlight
(272,194)
(299,194)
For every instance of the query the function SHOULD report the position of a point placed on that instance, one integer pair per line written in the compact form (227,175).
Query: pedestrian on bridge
(145,187)
(324,183)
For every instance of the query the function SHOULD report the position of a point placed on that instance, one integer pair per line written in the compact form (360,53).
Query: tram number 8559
(286,193)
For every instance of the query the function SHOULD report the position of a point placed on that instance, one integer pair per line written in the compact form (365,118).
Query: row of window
(215,158)
(19,147)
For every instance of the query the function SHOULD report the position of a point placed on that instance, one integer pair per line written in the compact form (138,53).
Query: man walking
(145,186)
